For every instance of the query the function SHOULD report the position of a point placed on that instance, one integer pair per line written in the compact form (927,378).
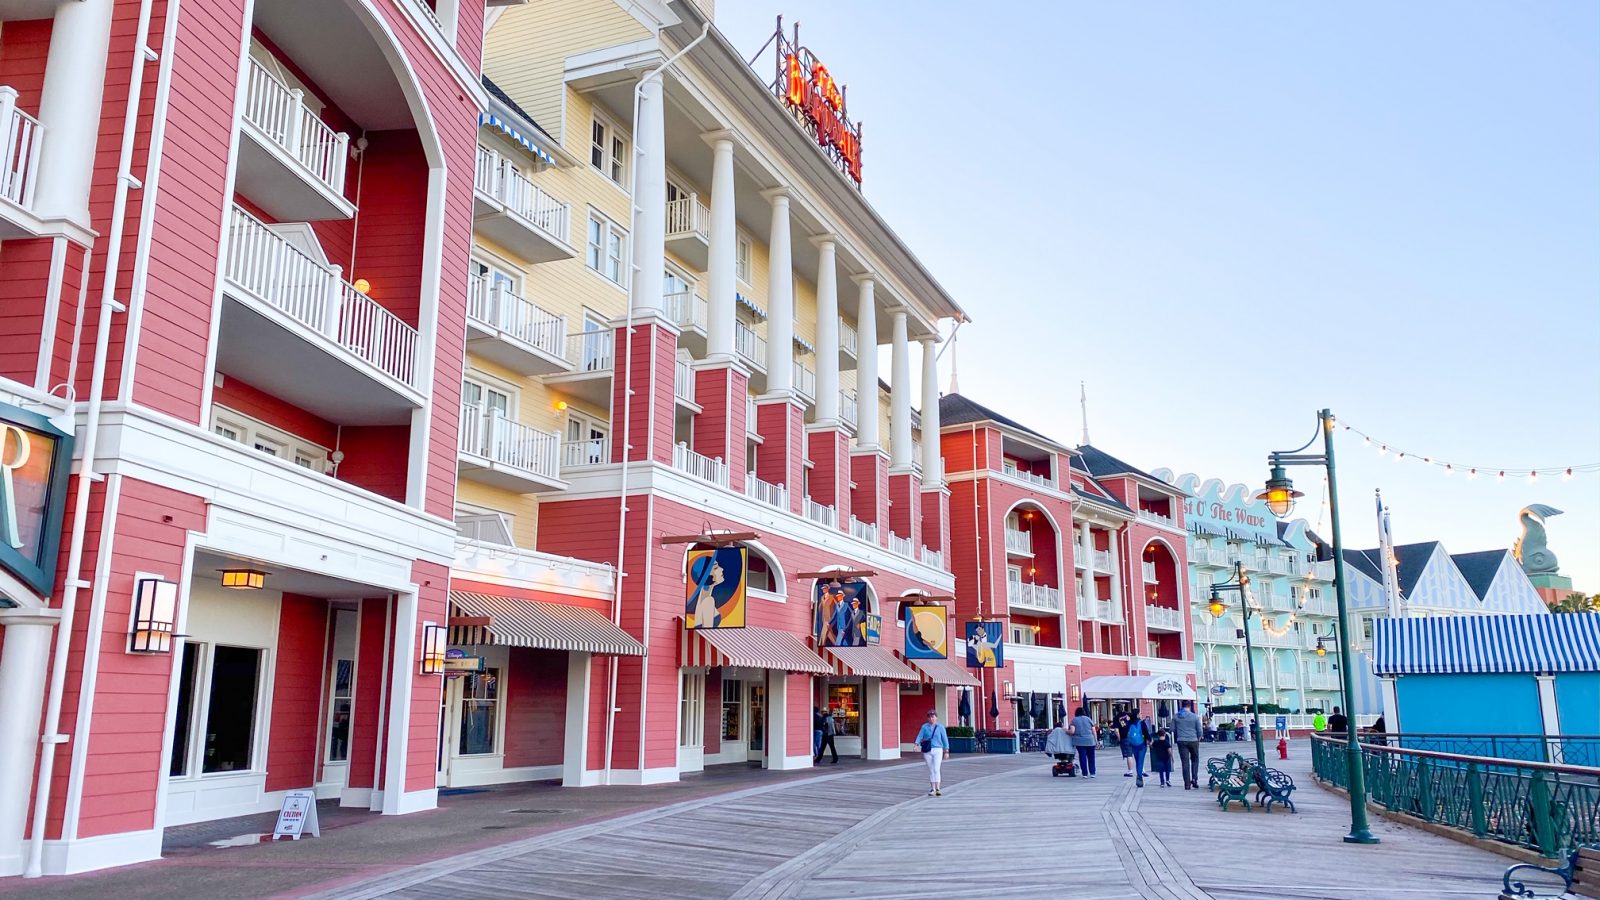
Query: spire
(1391,577)
(955,385)
(1083,400)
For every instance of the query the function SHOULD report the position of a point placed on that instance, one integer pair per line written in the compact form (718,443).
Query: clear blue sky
(1224,216)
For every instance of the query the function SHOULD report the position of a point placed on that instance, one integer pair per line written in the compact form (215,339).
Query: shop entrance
(756,713)
(471,726)
(846,700)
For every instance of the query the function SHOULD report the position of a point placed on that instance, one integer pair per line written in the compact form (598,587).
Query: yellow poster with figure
(715,596)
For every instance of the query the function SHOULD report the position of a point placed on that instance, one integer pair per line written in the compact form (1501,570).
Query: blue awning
(1493,644)
(749,304)
(504,127)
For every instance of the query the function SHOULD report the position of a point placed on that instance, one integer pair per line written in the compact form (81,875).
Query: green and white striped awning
(514,622)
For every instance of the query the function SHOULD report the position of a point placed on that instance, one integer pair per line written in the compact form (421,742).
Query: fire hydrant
(1283,748)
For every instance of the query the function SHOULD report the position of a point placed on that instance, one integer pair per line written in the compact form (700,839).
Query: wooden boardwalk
(1004,828)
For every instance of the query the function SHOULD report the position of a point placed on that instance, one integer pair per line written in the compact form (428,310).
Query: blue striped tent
(506,128)
(1486,644)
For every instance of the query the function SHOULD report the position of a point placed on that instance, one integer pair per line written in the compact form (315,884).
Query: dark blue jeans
(1086,759)
(1139,750)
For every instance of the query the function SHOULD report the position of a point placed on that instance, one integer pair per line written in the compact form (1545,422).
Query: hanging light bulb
(1502,476)
(1472,473)
(1399,456)
(1383,449)
(1448,469)
(1366,441)
(1567,475)
(1532,477)
(1428,460)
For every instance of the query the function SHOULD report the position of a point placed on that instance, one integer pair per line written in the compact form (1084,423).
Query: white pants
(933,758)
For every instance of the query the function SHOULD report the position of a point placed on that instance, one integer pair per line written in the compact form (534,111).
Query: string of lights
(1499,473)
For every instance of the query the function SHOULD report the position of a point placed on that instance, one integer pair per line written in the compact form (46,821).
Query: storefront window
(339,710)
(844,704)
(230,723)
(480,712)
(731,712)
(182,725)
(758,717)
(691,710)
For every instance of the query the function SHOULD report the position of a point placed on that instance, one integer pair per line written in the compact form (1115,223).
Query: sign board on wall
(297,816)
(35,457)
(1231,510)
(808,89)
(715,596)
(986,645)
(841,614)
(927,630)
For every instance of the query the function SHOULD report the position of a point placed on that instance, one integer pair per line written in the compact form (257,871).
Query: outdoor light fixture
(1216,606)
(362,286)
(1321,650)
(434,639)
(1280,493)
(155,609)
(243,579)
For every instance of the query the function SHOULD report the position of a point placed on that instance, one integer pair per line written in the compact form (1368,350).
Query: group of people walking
(1139,741)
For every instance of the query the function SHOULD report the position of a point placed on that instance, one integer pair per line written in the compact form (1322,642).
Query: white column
(69,107)
(932,459)
(1088,565)
(649,234)
(1116,593)
(29,635)
(1391,704)
(778,723)
(780,299)
(900,395)
(827,333)
(866,365)
(941,703)
(575,738)
(723,252)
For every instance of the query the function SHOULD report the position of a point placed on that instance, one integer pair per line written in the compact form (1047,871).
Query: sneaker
(931,793)
(938,793)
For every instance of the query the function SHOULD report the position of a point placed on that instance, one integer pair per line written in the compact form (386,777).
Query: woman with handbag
(1082,730)
(934,744)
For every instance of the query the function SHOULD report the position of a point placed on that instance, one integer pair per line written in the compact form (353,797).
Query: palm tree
(1577,603)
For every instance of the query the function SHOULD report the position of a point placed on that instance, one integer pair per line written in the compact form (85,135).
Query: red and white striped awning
(943,671)
(514,622)
(870,662)
(757,648)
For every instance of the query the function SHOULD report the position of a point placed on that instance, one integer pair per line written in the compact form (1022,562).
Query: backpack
(1136,734)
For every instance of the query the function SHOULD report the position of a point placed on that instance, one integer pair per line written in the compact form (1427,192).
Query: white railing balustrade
(703,467)
(1108,611)
(1018,541)
(848,409)
(274,271)
(1218,557)
(863,530)
(1323,570)
(1085,605)
(1149,572)
(1197,553)
(902,546)
(825,515)
(1102,560)
(21,137)
(592,452)
(931,557)
(499,177)
(805,380)
(688,216)
(591,351)
(750,414)
(1043,481)
(1038,596)
(685,309)
(497,307)
(280,113)
(510,443)
(751,346)
(847,337)
(683,380)
(765,492)
(1278,565)
(1152,516)
(1162,617)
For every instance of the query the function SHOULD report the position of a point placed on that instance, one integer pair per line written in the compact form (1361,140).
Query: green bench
(1235,785)
(1579,876)
(1275,786)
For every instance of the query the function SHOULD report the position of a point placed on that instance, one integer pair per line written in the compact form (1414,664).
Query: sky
(1223,217)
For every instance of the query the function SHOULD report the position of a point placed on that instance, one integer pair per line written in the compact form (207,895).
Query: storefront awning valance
(943,671)
(869,662)
(1487,644)
(1136,687)
(546,626)
(757,648)
(504,127)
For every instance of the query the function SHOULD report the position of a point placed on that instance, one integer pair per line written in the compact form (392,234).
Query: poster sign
(34,459)
(874,629)
(1281,723)
(716,588)
(927,630)
(1171,688)
(841,611)
(298,816)
(986,645)
(457,662)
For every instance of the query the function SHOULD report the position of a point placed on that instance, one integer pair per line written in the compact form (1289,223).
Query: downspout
(86,474)
(627,412)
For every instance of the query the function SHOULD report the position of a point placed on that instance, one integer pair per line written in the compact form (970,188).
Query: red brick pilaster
(830,470)
(781,460)
(869,500)
(905,505)
(720,389)
(649,430)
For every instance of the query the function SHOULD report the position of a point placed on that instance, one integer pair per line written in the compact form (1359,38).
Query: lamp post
(1241,584)
(1280,496)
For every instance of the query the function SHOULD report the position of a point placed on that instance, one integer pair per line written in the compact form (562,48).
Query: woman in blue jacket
(934,744)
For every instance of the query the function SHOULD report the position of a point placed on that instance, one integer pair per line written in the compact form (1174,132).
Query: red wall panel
(292,744)
(535,707)
(241,397)
(372,657)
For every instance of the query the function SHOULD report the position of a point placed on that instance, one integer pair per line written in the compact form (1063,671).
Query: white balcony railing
(1162,617)
(683,380)
(902,546)
(934,558)
(509,442)
(279,274)
(1152,516)
(1102,560)
(848,409)
(1043,481)
(750,414)
(1278,565)
(21,137)
(592,452)
(280,113)
(498,307)
(703,467)
(591,351)
(1018,541)
(751,346)
(499,178)
(1321,681)
(805,380)
(688,216)
(685,309)
(825,515)
(1197,553)
(1149,572)
(1107,611)
(1085,605)
(865,531)
(1038,596)
(847,337)
(1322,571)
(766,492)
(1218,557)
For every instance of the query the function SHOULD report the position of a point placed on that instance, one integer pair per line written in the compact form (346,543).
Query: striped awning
(1568,642)
(546,626)
(505,128)
(757,648)
(943,671)
(869,662)
(749,304)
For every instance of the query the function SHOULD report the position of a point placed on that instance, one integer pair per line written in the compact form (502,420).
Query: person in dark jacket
(829,729)
(1161,756)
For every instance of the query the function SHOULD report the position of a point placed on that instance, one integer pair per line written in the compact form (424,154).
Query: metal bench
(1275,786)
(1579,876)
(1235,785)
(1218,768)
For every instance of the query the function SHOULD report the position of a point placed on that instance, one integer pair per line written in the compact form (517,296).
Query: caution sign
(298,816)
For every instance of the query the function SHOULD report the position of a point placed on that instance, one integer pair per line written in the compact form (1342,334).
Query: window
(732,711)
(230,721)
(758,574)
(484,525)
(608,152)
(607,247)
(1366,629)
(675,288)
(489,400)
(587,437)
(741,261)
(263,438)
(183,723)
(691,711)
(480,712)
(268,446)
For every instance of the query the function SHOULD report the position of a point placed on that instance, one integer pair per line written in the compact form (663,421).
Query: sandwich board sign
(298,816)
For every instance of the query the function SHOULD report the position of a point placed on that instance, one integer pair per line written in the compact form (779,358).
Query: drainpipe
(86,474)
(627,411)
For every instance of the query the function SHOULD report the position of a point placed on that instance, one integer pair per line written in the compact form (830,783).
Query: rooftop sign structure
(808,90)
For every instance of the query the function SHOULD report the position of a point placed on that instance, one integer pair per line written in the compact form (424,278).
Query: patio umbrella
(965,708)
(994,704)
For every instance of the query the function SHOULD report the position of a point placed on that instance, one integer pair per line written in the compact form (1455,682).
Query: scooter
(1064,765)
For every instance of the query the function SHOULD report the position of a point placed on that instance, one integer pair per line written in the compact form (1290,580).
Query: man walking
(1337,723)
(816,732)
(1319,722)
(829,729)
(1186,732)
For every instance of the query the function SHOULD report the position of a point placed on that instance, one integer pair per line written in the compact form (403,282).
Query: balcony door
(490,404)
(588,438)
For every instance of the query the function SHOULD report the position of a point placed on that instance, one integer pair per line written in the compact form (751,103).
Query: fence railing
(317,296)
(21,137)
(900,545)
(766,492)
(509,442)
(1163,617)
(1543,806)
(685,309)
(848,339)
(702,467)
(1035,595)
(499,178)
(866,531)
(849,410)
(688,216)
(592,452)
(825,515)
(1043,481)
(1018,541)
(280,113)
(498,307)
(683,380)
(934,558)
(591,351)
(751,346)
(1149,570)
(805,380)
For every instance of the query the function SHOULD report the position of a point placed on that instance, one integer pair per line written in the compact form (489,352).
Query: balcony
(765,492)
(1197,553)
(514,213)
(751,347)
(21,137)
(1102,560)
(588,378)
(294,328)
(689,230)
(1019,542)
(1160,618)
(1322,571)
(514,332)
(1321,681)
(585,454)
(507,454)
(849,411)
(1149,570)
(1031,478)
(683,382)
(750,416)
(689,312)
(863,530)
(934,558)
(848,341)
(1155,518)
(902,546)
(1278,565)
(1035,596)
(290,162)
(702,467)
(822,515)
(805,381)
(1108,611)
(1218,557)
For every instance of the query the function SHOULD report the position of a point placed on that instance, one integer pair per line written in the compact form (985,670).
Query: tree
(1577,603)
